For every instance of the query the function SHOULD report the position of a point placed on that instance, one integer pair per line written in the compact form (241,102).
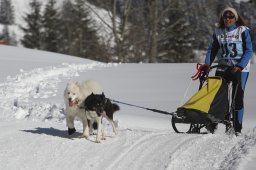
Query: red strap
(199,68)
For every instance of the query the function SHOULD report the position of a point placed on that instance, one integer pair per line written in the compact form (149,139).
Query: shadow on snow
(53,132)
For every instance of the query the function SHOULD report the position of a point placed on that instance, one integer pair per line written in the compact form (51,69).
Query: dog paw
(71,131)
(98,141)
(84,136)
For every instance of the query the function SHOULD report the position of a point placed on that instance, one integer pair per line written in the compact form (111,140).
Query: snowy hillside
(33,133)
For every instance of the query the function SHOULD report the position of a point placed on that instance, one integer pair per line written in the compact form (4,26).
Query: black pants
(237,95)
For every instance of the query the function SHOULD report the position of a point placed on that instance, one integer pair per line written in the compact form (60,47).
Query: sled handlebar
(220,66)
(204,69)
(203,72)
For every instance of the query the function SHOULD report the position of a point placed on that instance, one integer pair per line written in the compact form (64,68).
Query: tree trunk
(153,31)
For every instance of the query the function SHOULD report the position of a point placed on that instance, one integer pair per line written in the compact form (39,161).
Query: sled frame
(229,121)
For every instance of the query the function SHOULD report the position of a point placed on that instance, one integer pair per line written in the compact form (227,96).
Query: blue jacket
(214,47)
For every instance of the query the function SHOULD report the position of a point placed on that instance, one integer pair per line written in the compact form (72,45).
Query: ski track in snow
(145,152)
(239,151)
(137,149)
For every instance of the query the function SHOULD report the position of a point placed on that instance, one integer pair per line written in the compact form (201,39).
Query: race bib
(231,47)
(230,50)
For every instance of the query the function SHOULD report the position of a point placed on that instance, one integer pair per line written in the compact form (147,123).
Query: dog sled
(212,104)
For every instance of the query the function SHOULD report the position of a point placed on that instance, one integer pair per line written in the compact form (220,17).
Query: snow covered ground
(33,133)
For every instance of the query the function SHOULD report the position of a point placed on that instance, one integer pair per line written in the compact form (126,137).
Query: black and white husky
(103,107)
(74,96)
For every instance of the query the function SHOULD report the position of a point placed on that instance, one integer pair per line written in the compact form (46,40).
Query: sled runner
(212,104)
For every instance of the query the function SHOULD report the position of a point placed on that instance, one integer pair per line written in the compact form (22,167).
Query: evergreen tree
(87,42)
(6,12)
(66,28)
(82,30)
(33,32)
(7,18)
(176,42)
(77,37)
(134,29)
(50,23)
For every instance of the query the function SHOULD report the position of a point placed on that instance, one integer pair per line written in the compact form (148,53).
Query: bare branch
(89,7)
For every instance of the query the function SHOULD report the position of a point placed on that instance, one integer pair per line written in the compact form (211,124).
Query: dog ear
(78,84)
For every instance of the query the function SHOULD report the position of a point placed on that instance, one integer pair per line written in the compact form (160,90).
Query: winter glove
(233,74)
(204,69)
(237,69)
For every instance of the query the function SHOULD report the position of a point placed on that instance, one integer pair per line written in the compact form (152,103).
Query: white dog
(74,95)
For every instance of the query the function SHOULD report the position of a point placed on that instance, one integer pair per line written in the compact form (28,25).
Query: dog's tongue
(71,103)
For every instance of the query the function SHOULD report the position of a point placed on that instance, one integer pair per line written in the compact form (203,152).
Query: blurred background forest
(150,31)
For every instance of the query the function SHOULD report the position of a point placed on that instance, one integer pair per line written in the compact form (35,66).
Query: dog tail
(115,107)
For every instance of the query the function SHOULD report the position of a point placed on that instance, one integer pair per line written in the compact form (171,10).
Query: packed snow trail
(47,146)
(145,152)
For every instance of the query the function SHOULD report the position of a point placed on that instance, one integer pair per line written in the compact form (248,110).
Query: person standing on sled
(231,43)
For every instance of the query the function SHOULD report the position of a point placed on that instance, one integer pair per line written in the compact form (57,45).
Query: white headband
(231,10)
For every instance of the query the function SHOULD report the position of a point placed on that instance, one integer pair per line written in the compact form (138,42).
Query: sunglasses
(228,17)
